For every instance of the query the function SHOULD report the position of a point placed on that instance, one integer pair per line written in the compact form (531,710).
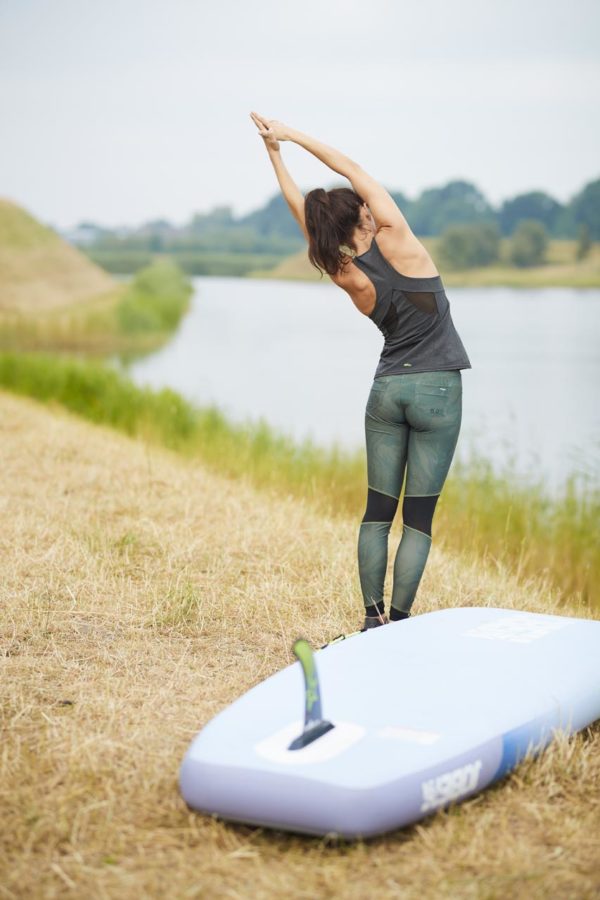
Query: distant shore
(560,270)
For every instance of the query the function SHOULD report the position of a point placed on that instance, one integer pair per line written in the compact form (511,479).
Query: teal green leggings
(412,423)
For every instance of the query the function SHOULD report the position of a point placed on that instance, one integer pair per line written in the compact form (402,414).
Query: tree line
(470,229)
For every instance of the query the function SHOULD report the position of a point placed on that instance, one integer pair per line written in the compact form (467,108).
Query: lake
(300,356)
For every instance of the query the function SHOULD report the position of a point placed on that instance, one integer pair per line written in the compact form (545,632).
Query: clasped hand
(270,130)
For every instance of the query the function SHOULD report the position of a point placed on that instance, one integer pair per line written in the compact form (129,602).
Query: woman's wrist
(292,134)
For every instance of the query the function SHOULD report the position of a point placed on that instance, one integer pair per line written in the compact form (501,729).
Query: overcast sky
(119,111)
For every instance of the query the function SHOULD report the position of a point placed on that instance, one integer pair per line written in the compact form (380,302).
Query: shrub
(528,243)
(469,246)
(155,300)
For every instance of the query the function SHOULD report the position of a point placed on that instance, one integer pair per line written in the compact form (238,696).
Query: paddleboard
(425,712)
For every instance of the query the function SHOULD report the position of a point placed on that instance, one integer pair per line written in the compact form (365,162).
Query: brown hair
(331,217)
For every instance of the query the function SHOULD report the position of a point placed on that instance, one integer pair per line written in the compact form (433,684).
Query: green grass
(481,512)
(101,395)
(155,300)
(500,518)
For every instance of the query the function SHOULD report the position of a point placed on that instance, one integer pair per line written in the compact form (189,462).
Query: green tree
(273,219)
(456,203)
(585,208)
(584,241)
(469,246)
(533,205)
(219,216)
(528,243)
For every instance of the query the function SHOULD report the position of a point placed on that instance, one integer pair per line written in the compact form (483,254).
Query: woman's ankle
(397,614)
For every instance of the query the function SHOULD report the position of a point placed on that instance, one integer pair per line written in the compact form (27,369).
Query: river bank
(481,514)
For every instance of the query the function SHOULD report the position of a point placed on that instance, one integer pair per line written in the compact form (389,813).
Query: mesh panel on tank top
(423,300)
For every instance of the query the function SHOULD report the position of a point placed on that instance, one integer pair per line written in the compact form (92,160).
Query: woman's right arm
(404,247)
(383,206)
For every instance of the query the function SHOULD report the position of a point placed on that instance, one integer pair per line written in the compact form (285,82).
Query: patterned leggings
(412,422)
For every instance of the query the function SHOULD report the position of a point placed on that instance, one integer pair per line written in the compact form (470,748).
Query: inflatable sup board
(412,716)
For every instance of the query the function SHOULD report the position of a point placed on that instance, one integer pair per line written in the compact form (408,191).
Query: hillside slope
(140,595)
(39,271)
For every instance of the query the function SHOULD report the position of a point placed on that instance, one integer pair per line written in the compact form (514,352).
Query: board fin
(315,726)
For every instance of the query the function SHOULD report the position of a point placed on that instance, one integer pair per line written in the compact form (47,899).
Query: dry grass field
(140,594)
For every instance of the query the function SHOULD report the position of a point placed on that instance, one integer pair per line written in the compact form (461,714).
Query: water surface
(302,357)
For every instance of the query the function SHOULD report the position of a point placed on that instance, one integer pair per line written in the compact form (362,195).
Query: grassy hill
(54,297)
(39,271)
(141,594)
(561,270)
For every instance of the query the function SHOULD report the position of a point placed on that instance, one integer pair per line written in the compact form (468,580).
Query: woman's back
(413,314)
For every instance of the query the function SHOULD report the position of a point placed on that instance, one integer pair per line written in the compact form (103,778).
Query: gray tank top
(413,314)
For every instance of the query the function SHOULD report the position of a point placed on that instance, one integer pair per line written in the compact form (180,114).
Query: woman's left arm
(290,190)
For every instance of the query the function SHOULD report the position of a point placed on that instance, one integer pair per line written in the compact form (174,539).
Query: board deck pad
(426,712)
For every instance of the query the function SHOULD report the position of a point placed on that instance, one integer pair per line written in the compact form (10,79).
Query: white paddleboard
(426,712)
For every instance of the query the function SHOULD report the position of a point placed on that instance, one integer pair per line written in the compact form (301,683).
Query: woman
(413,414)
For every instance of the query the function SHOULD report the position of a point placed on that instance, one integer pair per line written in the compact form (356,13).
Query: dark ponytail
(331,218)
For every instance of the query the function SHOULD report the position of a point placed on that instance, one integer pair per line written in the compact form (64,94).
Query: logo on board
(449,786)
(516,629)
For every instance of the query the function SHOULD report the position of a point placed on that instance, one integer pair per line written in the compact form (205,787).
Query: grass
(545,538)
(142,593)
(20,231)
(135,317)
(481,513)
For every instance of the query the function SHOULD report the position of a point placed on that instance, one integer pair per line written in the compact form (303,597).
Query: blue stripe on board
(531,737)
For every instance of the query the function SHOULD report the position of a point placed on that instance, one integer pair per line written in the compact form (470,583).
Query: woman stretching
(413,414)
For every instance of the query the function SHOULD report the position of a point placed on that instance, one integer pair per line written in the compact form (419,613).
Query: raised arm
(382,205)
(290,190)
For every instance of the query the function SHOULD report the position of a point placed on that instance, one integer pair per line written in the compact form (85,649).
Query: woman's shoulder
(405,253)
